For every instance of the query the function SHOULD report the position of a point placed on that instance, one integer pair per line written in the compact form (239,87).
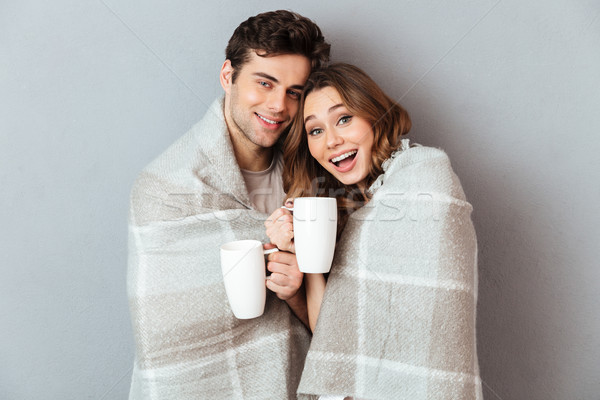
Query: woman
(398,317)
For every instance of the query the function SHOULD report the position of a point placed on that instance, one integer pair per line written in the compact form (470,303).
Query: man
(216,184)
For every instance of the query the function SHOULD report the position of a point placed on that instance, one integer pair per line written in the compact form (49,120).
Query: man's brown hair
(275,33)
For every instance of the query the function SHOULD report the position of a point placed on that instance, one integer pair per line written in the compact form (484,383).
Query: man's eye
(294,94)
(263,83)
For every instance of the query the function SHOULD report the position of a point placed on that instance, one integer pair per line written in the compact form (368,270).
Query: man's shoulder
(199,162)
(204,137)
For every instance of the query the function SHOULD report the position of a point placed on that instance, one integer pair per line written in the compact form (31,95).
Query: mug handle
(273,250)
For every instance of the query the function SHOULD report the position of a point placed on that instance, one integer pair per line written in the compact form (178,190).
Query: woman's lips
(347,166)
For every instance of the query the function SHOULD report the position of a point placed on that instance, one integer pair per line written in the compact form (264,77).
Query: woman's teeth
(339,158)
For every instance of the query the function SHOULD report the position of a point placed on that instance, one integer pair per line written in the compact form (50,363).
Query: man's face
(264,99)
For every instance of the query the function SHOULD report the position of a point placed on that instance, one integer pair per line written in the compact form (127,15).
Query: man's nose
(277,101)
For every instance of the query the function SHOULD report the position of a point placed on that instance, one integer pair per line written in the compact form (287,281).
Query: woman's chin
(345,178)
(348,180)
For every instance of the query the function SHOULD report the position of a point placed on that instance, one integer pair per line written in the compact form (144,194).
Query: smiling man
(261,102)
(218,183)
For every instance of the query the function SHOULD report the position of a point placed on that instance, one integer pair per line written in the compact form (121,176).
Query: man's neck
(252,158)
(248,155)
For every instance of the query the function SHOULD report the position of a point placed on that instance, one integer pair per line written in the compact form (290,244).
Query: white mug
(244,274)
(315,227)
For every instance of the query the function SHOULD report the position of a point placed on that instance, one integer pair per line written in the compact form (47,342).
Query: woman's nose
(334,139)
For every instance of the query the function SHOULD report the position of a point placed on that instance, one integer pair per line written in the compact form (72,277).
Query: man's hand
(286,278)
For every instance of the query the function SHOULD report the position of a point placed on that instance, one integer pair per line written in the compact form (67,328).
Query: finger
(280,280)
(273,217)
(292,274)
(283,257)
(288,228)
(285,218)
(283,293)
(280,268)
(284,282)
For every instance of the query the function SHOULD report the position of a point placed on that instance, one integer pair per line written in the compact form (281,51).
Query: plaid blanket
(184,205)
(398,316)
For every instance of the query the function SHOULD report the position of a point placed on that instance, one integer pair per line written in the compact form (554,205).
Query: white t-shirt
(266,187)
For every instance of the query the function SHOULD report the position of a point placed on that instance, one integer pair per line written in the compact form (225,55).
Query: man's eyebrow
(331,109)
(266,76)
(275,80)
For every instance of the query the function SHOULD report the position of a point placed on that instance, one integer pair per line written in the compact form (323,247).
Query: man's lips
(271,123)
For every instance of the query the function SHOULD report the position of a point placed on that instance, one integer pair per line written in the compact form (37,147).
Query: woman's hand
(280,228)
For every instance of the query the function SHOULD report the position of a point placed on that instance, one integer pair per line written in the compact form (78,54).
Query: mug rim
(240,245)
(315,198)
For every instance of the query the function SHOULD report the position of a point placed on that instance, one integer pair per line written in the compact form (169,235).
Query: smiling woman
(337,140)
(345,130)
(395,319)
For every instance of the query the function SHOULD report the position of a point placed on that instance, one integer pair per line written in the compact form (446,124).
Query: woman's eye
(315,132)
(345,119)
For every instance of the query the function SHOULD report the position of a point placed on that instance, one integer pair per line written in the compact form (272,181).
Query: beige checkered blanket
(398,316)
(184,205)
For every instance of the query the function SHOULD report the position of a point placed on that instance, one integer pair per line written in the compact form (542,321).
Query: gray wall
(92,91)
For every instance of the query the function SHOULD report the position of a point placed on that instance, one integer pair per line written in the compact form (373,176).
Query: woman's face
(338,140)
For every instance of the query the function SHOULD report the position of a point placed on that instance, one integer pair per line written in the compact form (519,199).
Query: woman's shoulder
(410,153)
(416,166)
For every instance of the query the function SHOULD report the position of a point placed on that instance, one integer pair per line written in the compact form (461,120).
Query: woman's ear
(226,76)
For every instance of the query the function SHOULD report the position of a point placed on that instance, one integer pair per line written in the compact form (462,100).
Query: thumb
(268,246)
(292,248)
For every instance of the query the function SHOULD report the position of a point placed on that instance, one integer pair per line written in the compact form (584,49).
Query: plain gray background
(91,91)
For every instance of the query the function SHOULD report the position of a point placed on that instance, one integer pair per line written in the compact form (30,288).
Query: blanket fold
(184,205)
(398,316)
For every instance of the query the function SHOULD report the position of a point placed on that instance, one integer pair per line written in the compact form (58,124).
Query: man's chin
(270,139)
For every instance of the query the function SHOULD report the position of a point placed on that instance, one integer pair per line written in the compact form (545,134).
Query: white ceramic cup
(315,227)
(244,274)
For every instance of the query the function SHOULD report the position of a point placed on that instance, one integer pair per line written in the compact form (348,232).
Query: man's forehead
(289,69)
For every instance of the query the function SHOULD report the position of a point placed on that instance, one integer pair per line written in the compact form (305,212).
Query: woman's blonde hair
(304,176)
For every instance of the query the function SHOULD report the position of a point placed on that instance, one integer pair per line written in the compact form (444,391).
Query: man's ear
(226,76)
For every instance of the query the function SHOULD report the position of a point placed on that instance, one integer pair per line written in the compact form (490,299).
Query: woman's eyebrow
(331,109)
